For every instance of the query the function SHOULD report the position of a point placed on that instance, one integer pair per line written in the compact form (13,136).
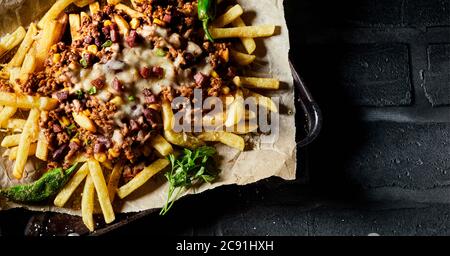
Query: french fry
(84,122)
(113,181)
(9,41)
(249,43)
(161,145)
(66,192)
(142,177)
(227,138)
(54,12)
(75,24)
(113,2)
(179,139)
(25,142)
(82,3)
(257,83)
(129,11)
(96,174)
(248,31)
(50,35)
(236,111)
(28,65)
(14,74)
(13,151)
(261,100)
(242,58)
(243,128)
(10,141)
(27,101)
(122,24)
(6,113)
(42,147)
(87,203)
(24,47)
(228,17)
(94,7)
(15,124)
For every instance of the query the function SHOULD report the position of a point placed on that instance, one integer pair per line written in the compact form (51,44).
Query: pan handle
(310,107)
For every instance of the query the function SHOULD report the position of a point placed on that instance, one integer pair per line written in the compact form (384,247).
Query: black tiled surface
(381,163)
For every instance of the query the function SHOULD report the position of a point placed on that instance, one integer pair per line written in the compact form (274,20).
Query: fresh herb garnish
(83,62)
(131,98)
(108,43)
(79,94)
(92,91)
(72,127)
(189,169)
(160,52)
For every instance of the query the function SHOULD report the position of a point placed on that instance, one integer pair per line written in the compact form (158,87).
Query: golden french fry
(14,74)
(6,113)
(84,122)
(113,181)
(249,43)
(261,100)
(236,111)
(9,41)
(161,145)
(87,203)
(10,141)
(243,128)
(27,101)
(15,124)
(94,7)
(82,3)
(113,2)
(248,31)
(50,35)
(129,11)
(13,151)
(228,17)
(122,24)
(28,65)
(24,47)
(242,58)
(54,12)
(42,147)
(257,83)
(142,177)
(96,174)
(25,142)
(75,24)
(179,139)
(66,192)
(227,138)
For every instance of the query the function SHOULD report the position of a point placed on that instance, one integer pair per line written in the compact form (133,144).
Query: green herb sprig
(189,169)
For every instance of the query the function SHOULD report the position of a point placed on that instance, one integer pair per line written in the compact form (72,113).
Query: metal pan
(42,224)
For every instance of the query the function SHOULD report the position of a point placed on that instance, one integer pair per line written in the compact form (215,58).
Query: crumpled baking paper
(263,161)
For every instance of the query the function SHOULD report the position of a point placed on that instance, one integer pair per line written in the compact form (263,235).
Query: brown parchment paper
(263,161)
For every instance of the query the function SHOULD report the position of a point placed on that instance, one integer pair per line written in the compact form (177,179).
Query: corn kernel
(107,23)
(101,157)
(117,101)
(56,58)
(226,90)
(214,74)
(113,153)
(87,112)
(107,164)
(92,49)
(65,121)
(54,48)
(159,22)
(76,140)
(134,23)
(154,106)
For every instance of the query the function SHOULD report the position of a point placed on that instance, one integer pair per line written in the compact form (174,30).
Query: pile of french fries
(24,139)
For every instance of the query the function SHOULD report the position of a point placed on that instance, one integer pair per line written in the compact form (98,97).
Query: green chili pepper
(42,189)
(206,13)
